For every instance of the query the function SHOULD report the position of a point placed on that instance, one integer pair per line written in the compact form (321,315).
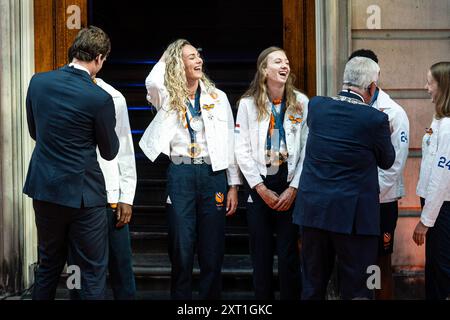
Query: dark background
(223,28)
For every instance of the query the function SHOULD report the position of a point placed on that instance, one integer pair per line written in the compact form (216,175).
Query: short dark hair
(89,43)
(365,53)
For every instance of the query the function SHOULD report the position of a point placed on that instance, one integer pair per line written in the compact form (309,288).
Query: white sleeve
(439,186)
(243,151)
(303,137)
(156,91)
(233,173)
(400,140)
(125,157)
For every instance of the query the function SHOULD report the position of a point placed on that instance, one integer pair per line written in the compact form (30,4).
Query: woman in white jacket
(194,127)
(270,135)
(434,187)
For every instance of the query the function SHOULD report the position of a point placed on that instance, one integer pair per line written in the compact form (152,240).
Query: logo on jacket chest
(208,107)
(295,121)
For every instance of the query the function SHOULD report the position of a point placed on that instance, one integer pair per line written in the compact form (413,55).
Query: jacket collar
(206,96)
(383,100)
(79,67)
(352,95)
(76,71)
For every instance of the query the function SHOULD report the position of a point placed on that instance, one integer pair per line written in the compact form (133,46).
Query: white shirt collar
(357,94)
(79,67)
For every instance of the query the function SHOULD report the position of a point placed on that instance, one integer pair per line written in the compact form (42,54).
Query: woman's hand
(268,196)
(286,199)
(419,233)
(232,200)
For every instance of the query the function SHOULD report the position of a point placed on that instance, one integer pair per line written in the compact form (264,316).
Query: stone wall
(408,36)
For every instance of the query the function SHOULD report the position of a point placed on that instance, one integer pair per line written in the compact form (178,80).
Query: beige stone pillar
(333,40)
(17,233)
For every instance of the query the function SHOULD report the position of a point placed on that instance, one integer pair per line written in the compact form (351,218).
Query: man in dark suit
(338,200)
(69,116)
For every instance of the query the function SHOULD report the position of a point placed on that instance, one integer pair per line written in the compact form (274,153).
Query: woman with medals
(433,187)
(270,135)
(194,127)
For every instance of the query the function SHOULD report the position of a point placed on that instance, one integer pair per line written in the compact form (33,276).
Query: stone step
(157,242)
(152,272)
(155,215)
(151,264)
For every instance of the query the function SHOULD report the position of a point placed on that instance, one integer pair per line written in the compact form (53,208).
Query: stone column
(333,46)
(333,43)
(17,234)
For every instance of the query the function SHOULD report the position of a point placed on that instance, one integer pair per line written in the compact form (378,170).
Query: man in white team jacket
(391,180)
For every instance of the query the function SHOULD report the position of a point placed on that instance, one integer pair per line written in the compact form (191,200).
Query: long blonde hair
(441,73)
(175,78)
(258,87)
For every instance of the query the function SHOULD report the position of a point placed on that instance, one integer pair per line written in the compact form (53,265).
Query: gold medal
(194,150)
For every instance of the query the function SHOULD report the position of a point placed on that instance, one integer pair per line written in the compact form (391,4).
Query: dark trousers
(120,265)
(354,254)
(437,256)
(120,260)
(196,218)
(263,223)
(82,230)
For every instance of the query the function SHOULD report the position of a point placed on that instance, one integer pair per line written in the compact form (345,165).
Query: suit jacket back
(68,116)
(339,188)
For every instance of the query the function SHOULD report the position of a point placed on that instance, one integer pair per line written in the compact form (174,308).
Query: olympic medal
(196,124)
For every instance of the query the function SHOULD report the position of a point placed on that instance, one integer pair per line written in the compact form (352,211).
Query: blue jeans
(120,260)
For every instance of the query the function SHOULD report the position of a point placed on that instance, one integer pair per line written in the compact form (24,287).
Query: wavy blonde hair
(258,87)
(175,77)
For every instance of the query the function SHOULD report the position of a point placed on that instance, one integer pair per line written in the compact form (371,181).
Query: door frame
(53,33)
(53,38)
(299,40)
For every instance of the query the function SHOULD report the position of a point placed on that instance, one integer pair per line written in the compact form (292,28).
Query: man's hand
(232,200)
(123,213)
(268,196)
(419,233)
(286,199)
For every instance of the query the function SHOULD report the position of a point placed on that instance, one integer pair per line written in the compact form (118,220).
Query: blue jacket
(339,188)
(68,116)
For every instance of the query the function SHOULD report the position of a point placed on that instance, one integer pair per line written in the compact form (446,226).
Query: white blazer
(217,117)
(251,136)
(434,179)
(391,180)
(120,173)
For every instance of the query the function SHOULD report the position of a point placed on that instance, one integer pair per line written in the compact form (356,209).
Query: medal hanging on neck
(195,124)
(276,123)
